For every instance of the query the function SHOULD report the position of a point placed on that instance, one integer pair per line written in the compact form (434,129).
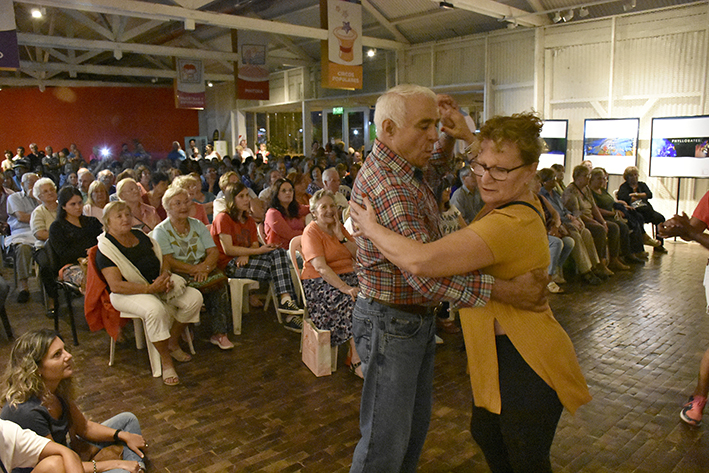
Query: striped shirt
(404,203)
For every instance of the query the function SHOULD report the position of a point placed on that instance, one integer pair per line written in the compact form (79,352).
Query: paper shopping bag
(316,349)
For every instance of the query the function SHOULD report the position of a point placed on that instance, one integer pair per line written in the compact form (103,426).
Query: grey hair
(26,177)
(172,192)
(392,104)
(329,171)
(45,181)
(111,208)
(317,197)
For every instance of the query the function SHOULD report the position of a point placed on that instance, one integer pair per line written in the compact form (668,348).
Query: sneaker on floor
(554,288)
(295,324)
(691,413)
(290,307)
(222,341)
(23,296)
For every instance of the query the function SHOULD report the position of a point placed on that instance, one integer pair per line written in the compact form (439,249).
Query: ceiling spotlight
(512,25)
(371,53)
(210,84)
(583,12)
(446,5)
(557,17)
(154,80)
(37,12)
(627,6)
(568,16)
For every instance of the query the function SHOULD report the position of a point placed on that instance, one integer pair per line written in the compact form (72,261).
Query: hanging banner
(342,52)
(251,72)
(9,54)
(189,85)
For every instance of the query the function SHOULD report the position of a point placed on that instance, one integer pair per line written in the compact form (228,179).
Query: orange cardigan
(97,301)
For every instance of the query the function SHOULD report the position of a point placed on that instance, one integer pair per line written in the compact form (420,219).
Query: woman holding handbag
(189,249)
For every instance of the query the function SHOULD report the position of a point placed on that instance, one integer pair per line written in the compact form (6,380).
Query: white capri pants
(157,315)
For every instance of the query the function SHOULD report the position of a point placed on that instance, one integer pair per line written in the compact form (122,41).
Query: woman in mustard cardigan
(523,368)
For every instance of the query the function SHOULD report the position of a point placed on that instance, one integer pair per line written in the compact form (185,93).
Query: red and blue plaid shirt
(404,203)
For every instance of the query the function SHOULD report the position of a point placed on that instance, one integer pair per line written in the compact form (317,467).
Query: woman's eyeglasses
(496,172)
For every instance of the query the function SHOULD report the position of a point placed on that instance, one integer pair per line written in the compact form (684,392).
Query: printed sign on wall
(189,85)
(342,54)
(253,75)
(9,54)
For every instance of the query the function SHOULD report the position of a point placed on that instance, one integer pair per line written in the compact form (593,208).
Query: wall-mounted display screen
(554,133)
(680,146)
(611,143)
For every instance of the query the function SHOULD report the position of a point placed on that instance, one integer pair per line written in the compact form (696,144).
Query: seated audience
(4,194)
(44,214)
(108,179)
(578,199)
(38,395)
(331,182)
(316,182)
(584,251)
(71,235)
(96,200)
(267,193)
(23,448)
(300,185)
(143,178)
(203,198)
(234,233)
(210,180)
(637,194)
(631,239)
(85,178)
(19,210)
(189,250)
(285,218)
(191,185)
(140,283)
(153,197)
(329,280)
(467,197)
(145,218)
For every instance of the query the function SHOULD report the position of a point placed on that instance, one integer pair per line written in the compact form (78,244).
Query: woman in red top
(286,217)
(241,255)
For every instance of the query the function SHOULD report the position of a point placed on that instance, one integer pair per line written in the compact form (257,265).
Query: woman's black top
(70,242)
(141,255)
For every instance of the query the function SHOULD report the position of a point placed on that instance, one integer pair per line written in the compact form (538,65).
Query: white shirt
(19,448)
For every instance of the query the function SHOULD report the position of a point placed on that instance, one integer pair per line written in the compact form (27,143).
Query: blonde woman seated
(144,217)
(140,283)
(189,249)
(191,185)
(96,200)
(38,395)
(523,367)
(234,233)
(44,214)
(329,280)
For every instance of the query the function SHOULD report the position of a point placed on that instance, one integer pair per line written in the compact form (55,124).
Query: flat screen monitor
(680,146)
(554,133)
(611,143)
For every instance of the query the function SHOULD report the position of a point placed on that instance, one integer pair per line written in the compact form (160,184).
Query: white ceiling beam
(89,23)
(195,42)
(55,67)
(153,11)
(27,82)
(192,4)
(499,10)
(30,39)
(384,22)
(139,30)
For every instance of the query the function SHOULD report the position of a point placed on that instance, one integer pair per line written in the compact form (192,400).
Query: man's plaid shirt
(404,203)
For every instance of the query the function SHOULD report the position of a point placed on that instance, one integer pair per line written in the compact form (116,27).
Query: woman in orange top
(329,281)
(523,368)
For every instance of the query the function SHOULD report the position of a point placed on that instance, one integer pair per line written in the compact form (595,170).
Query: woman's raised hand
(363,217)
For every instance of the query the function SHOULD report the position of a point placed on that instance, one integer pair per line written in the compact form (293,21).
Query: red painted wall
(94,116)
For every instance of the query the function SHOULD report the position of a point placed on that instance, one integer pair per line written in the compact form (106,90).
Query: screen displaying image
(554,134)
(611,143)
(679,147)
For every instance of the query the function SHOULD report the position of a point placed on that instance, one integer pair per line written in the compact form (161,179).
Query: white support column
(611,69)
(539,70)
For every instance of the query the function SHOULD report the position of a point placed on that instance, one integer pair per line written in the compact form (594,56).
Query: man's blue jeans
(397,351)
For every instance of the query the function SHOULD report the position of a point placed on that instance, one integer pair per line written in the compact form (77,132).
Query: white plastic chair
(239,290)
(141,341)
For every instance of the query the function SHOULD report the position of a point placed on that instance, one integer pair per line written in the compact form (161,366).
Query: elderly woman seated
(329,281)
(189,249)
(144,216)
(44,214)
(606,235)
(140,283)
(637,194)
(96,200)
(191,185)
(234,232)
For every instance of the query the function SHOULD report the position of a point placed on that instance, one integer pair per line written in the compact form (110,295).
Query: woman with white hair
(44,214)
(145,217)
